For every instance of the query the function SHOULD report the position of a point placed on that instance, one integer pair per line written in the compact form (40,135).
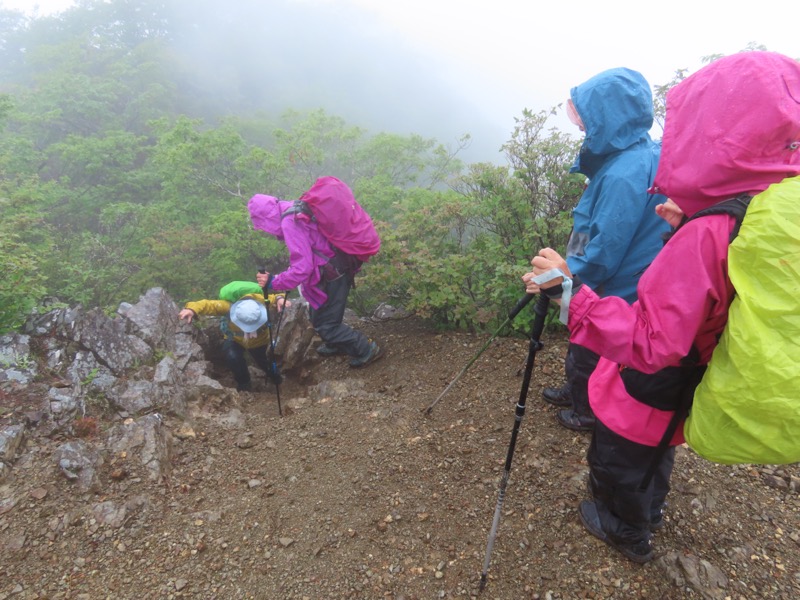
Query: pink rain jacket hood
(718,144)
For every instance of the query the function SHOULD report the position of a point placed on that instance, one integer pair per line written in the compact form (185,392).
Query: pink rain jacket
(308,248)
(732,127)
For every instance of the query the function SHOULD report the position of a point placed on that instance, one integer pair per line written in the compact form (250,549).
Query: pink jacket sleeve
(301,257)
(683,301)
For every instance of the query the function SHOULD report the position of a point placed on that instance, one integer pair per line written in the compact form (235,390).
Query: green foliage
(6,104)
(115,178)
(456,257)
(421,266)
(90,377)
(313,145)
(23,245)
(200,166)
(23,362)
(504,217)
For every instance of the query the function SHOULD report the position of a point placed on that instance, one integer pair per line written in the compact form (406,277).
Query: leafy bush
(24,245)
(457,256)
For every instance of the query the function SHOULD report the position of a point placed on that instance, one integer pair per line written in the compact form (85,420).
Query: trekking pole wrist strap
(563,291)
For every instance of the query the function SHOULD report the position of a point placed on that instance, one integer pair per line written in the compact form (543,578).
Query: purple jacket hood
(265,213)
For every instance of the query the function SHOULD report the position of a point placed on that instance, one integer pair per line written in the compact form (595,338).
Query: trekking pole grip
(263,270)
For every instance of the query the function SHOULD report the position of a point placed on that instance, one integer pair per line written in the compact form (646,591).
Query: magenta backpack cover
(341,219)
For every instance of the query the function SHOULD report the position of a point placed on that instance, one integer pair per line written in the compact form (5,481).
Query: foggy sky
(442,68)
(271,56)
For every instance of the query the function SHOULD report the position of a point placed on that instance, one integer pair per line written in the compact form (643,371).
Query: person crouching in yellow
(244,325)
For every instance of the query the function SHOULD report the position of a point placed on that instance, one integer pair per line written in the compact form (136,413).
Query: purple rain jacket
(308,248)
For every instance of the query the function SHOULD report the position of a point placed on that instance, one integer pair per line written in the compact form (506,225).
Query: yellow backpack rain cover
(747,407)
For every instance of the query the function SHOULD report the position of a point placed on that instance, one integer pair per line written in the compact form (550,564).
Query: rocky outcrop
(137,366)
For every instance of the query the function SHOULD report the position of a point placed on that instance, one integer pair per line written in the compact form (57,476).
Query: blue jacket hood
(616,231)
(616,107)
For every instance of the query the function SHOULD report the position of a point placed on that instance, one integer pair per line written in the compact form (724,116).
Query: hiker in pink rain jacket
(322,275)
(732,128)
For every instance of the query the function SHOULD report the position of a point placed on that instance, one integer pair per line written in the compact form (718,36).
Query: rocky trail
(355,493)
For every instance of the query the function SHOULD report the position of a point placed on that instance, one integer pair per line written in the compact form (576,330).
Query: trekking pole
(523,302)
(540,309)
(275,373)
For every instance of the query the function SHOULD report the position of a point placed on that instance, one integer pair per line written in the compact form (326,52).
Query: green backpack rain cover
(236,289)
(747,406)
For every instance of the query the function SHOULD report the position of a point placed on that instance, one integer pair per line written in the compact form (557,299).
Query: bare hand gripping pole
(540,309)
(522,303)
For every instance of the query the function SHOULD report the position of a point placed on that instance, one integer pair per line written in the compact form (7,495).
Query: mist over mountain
(249,56)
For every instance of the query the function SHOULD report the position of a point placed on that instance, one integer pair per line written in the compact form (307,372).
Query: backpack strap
(736,207)
(298,207)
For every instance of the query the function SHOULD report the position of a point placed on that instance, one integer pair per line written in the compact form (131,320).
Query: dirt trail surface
(355,493)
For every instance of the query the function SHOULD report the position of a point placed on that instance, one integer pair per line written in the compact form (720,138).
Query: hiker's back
(747,406)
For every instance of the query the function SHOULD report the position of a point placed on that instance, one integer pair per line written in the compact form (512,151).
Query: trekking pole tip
(483,582)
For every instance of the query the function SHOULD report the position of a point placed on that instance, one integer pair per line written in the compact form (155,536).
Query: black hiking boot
(572,420)
(557,396)
(638,552)
(326,350)
(373,353)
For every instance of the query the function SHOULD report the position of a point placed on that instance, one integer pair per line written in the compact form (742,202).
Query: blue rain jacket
(616,232)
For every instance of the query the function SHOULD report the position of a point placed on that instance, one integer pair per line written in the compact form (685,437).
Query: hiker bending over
(732,128)
(245,327)
(323,274)
(616,232)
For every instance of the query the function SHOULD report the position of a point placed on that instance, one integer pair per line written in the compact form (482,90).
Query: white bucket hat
(248,314)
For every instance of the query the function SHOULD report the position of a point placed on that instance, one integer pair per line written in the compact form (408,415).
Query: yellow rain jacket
(221,308)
